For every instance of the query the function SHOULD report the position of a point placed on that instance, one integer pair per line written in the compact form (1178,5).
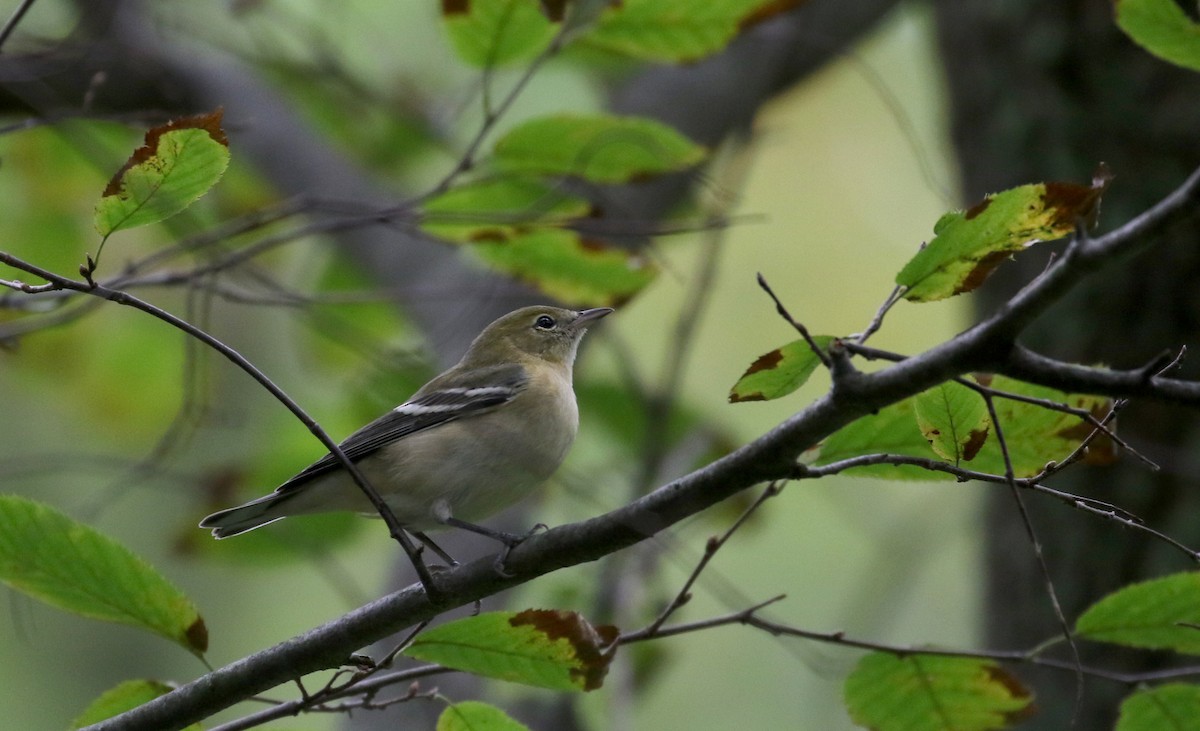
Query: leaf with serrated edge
(954,419)
(1163,29)
(539,647)
(477,716)
(779,372)
(1170,707)
(969,244)
(676,31)
(495,32)
(568,267)
(178,162)
(124,697)
(61,562)
(1033,434)
(600,148)
(1161,613)
(889,693)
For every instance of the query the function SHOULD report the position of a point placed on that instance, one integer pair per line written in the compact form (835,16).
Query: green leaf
(969,244)
(1163,29)
(933,693)
(569,268)
(677,31)
(494,32)
(124,697)
(539,647)
(1161,614)
(891,430)
(53,558)
(954,419)
(476,716)
(1171,707)
(1034,434)
(495,210)
(778,372)
(179,162)
(600,148)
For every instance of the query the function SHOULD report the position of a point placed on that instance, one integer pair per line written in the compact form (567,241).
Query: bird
(468,444)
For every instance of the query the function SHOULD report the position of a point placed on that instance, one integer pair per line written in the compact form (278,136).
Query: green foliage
(516,226)
(53,558)
(1162,28)
(179,162)
(675,31)
(779,372)
(933,693)
(125,696)
(499,209)
(1162,614)
(1171,707)
(496,32)
(969,244)
(539,647)
(599,147)
(569,268)
(1034,433)
(953,419)
(476,716)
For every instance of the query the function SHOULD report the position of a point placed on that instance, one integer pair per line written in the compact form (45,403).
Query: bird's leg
(510,540)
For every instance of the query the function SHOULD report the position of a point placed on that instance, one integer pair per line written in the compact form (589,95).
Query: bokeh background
(839,183)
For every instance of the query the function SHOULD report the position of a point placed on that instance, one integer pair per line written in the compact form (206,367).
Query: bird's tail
(253,514)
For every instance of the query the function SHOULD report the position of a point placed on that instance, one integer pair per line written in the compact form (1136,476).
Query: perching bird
(468,444)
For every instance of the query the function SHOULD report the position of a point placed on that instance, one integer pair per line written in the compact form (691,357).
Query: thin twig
(14,20)
(714,544)
(1035,543)
(820,353)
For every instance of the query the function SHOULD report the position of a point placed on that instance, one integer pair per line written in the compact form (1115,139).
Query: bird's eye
(545,322)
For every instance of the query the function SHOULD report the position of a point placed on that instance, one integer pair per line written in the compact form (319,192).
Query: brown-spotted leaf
(778,372)
(540,647)
(177,163)
(969,244)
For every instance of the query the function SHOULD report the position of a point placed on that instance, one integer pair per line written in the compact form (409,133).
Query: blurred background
(833,157)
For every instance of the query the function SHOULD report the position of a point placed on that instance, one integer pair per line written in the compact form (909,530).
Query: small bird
(471,442)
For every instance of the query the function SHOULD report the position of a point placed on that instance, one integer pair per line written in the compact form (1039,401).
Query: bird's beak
(587,316)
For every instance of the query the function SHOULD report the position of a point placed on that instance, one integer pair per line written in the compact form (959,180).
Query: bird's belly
(470,469)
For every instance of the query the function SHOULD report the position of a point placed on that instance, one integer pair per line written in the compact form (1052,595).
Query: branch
(987,346)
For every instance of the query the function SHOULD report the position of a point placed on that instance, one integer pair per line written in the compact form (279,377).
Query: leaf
(1163,29)
(891,430)
(493,32)
(954,419)
(539,647)
(1034,434)
(969,244)
(1171,707)
(600,148)
(178,162)
(494,210)
(124,697)
(476,716)
(569,268)
(778,372)
(71,566)
(1161,613)
(933,693)
(677,31)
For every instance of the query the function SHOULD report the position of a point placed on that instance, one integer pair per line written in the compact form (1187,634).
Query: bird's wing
(487,389)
